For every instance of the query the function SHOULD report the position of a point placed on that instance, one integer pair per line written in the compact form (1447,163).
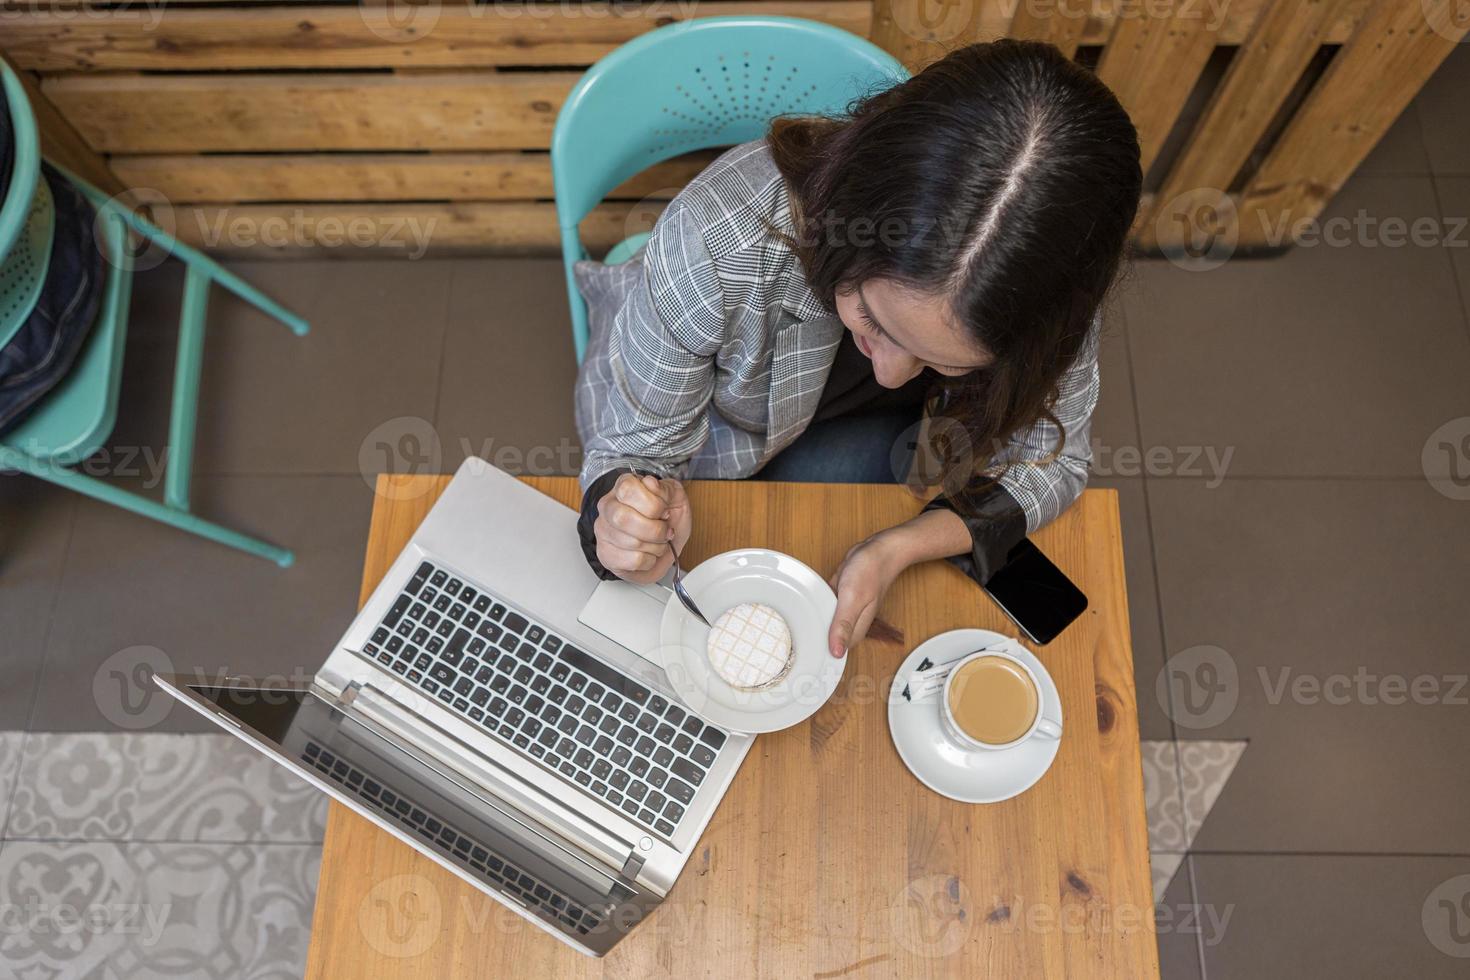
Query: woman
(946,246)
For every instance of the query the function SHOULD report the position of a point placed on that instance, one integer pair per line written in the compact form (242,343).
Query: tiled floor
(1295,545)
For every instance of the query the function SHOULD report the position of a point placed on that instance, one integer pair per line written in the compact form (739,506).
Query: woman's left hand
(860,583)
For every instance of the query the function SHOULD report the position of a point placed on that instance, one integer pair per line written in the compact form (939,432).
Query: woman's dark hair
(1003,176)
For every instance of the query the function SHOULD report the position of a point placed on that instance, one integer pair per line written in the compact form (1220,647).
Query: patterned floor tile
(1165,804)
(1205,766)
(144,911)
(159,787)
(10,743)
(1164,865)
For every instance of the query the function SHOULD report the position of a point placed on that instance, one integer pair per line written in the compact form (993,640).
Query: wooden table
(827,858)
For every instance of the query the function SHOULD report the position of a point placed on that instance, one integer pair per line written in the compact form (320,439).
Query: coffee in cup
(992,700)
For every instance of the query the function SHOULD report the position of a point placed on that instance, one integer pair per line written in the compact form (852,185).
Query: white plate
(802,598)
(940,762)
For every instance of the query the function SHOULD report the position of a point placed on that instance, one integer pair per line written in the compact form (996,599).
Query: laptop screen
(482,838)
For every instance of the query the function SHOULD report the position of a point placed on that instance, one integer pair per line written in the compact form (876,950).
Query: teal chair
(76,417)
(714,81)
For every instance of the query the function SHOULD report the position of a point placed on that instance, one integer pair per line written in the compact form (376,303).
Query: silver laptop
(469,713)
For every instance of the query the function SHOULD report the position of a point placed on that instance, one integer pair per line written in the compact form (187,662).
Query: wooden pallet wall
(235,115)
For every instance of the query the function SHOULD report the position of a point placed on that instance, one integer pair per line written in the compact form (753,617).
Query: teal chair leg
(191,256)
(202,273)
(185,410)
(96,489)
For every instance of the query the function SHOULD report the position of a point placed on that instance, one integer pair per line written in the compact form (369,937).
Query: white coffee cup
(1041,726)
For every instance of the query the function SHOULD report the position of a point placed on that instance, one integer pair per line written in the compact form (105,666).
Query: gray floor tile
(1349,918)
(509,368)
(146,786)
(274,403)
(139,596)
(1441,105)
(1272,586)
(1400,152)
(1178,921)
(1115,420)
(1327,361)
(35,526)
(143,911)
(1454,202)
(1205,767)
(1143,604)
(10,753)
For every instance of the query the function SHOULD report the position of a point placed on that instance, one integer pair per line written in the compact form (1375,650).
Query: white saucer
(941,763)
(802,598)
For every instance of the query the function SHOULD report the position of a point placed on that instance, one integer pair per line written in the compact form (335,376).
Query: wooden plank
(317,36)
(1053,883)
(338,111)
(1060,22)
(54,36)
(1152,64)
(1261,75)
(397,230)
(61,144)
(917,32)
(1368,84)
(227,179)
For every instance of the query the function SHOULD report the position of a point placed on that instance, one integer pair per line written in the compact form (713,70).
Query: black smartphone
(1035,594)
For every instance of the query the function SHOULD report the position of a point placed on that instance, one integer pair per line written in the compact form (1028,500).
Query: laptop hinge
(457,762)
(631,869)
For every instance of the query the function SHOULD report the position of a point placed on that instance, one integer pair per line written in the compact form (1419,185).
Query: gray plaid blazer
(708,351)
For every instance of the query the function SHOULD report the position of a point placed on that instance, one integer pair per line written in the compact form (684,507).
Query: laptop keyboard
(455,843)
(570,712)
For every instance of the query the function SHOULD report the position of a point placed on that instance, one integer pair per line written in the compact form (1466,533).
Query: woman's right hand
(636,519)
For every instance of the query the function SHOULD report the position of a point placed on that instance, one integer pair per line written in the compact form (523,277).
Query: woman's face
(903,331)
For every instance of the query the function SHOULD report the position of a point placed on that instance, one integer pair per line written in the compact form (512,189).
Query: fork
(679,589)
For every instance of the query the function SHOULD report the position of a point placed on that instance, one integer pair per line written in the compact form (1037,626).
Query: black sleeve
(997,524)
(596,492)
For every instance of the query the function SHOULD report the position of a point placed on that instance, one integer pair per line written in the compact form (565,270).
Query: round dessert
(750,646)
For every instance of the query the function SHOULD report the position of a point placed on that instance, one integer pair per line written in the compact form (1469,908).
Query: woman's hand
(636,519)
(860,583)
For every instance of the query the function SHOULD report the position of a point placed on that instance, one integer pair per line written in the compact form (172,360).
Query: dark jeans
(37,358)
(849,449)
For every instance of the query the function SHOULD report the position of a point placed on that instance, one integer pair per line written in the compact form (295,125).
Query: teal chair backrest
(27,218)
(710,82)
